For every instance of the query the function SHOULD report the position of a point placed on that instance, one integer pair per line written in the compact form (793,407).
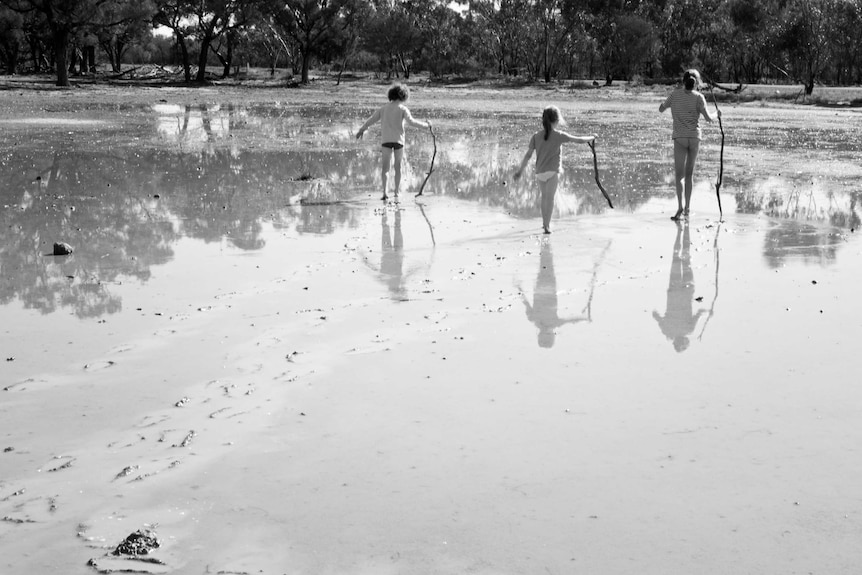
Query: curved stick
(430,169)
(721,155)
(592,146)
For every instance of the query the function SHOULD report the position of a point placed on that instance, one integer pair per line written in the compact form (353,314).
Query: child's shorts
(545,176)
(393,145)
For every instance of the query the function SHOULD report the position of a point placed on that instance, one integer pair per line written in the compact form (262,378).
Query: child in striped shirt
(686,105)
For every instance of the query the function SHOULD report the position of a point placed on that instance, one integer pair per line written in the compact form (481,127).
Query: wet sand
(438,388)
(500,402)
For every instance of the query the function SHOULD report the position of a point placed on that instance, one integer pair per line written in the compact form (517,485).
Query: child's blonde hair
(551,115)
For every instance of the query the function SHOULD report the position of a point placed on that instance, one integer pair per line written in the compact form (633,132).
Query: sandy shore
(442,390)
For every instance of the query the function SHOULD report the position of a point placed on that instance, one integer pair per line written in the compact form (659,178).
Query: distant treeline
(740,41)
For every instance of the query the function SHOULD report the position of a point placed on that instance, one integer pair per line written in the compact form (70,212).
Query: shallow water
(430,386)
(172,172)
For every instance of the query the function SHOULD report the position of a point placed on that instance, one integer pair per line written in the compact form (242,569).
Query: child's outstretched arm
(375,117)
(413,121)
(580,139)
(526,159)
(703,109)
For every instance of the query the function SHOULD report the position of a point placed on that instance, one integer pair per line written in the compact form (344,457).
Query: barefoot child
(547,144)
(392,117)
(686,105)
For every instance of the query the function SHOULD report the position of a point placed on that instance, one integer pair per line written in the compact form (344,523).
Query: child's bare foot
(677,215)
(385,197)
(547,230)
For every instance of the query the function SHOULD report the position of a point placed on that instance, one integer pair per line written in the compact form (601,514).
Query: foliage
(740,41)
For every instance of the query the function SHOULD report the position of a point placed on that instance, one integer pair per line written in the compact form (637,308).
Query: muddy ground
(253,359)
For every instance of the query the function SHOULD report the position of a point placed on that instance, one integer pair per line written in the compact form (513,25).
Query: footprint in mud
(122,349)
(98,365)
(67,462)
(164,332)
(21,385)
(19,508)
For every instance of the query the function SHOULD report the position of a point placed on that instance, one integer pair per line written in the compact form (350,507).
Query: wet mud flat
(251,357)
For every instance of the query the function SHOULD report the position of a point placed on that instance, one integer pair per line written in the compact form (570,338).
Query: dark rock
(62,249)
(141,542)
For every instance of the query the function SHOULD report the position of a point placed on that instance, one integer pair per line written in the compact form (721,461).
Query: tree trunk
(90,59)
(229,58)
(202,59)
(184,53)
(61,46)
(117,64)
(306,58)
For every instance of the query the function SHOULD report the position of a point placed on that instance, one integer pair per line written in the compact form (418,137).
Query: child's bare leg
(693,147)
(398,155)
(549,190)
(384,167)
(680,153)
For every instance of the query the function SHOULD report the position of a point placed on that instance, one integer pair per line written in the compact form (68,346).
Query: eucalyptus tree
(127,24)
(66,18)
(807,33)
(239,18)
(356,17)
(683,29)
(426,32)
(509,34)
(846,45)
(173,14)
(11,39)
(559,22)
(214,19)
(393,38)
(442,29)
(750,29)
(310,23)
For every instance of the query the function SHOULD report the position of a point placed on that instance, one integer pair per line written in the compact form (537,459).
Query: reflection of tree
(785,199)
(87,202)
(543,312)
(122,211)
(812,244)
(793,234)
(678,321)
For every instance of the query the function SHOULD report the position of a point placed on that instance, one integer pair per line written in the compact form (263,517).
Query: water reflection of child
(544,311)
(392,117)
(687,105)
(679,321)
(392,256)
(547,144)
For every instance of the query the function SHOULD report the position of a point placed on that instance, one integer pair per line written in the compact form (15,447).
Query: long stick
(721,155)
(596,170)
(431,169)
